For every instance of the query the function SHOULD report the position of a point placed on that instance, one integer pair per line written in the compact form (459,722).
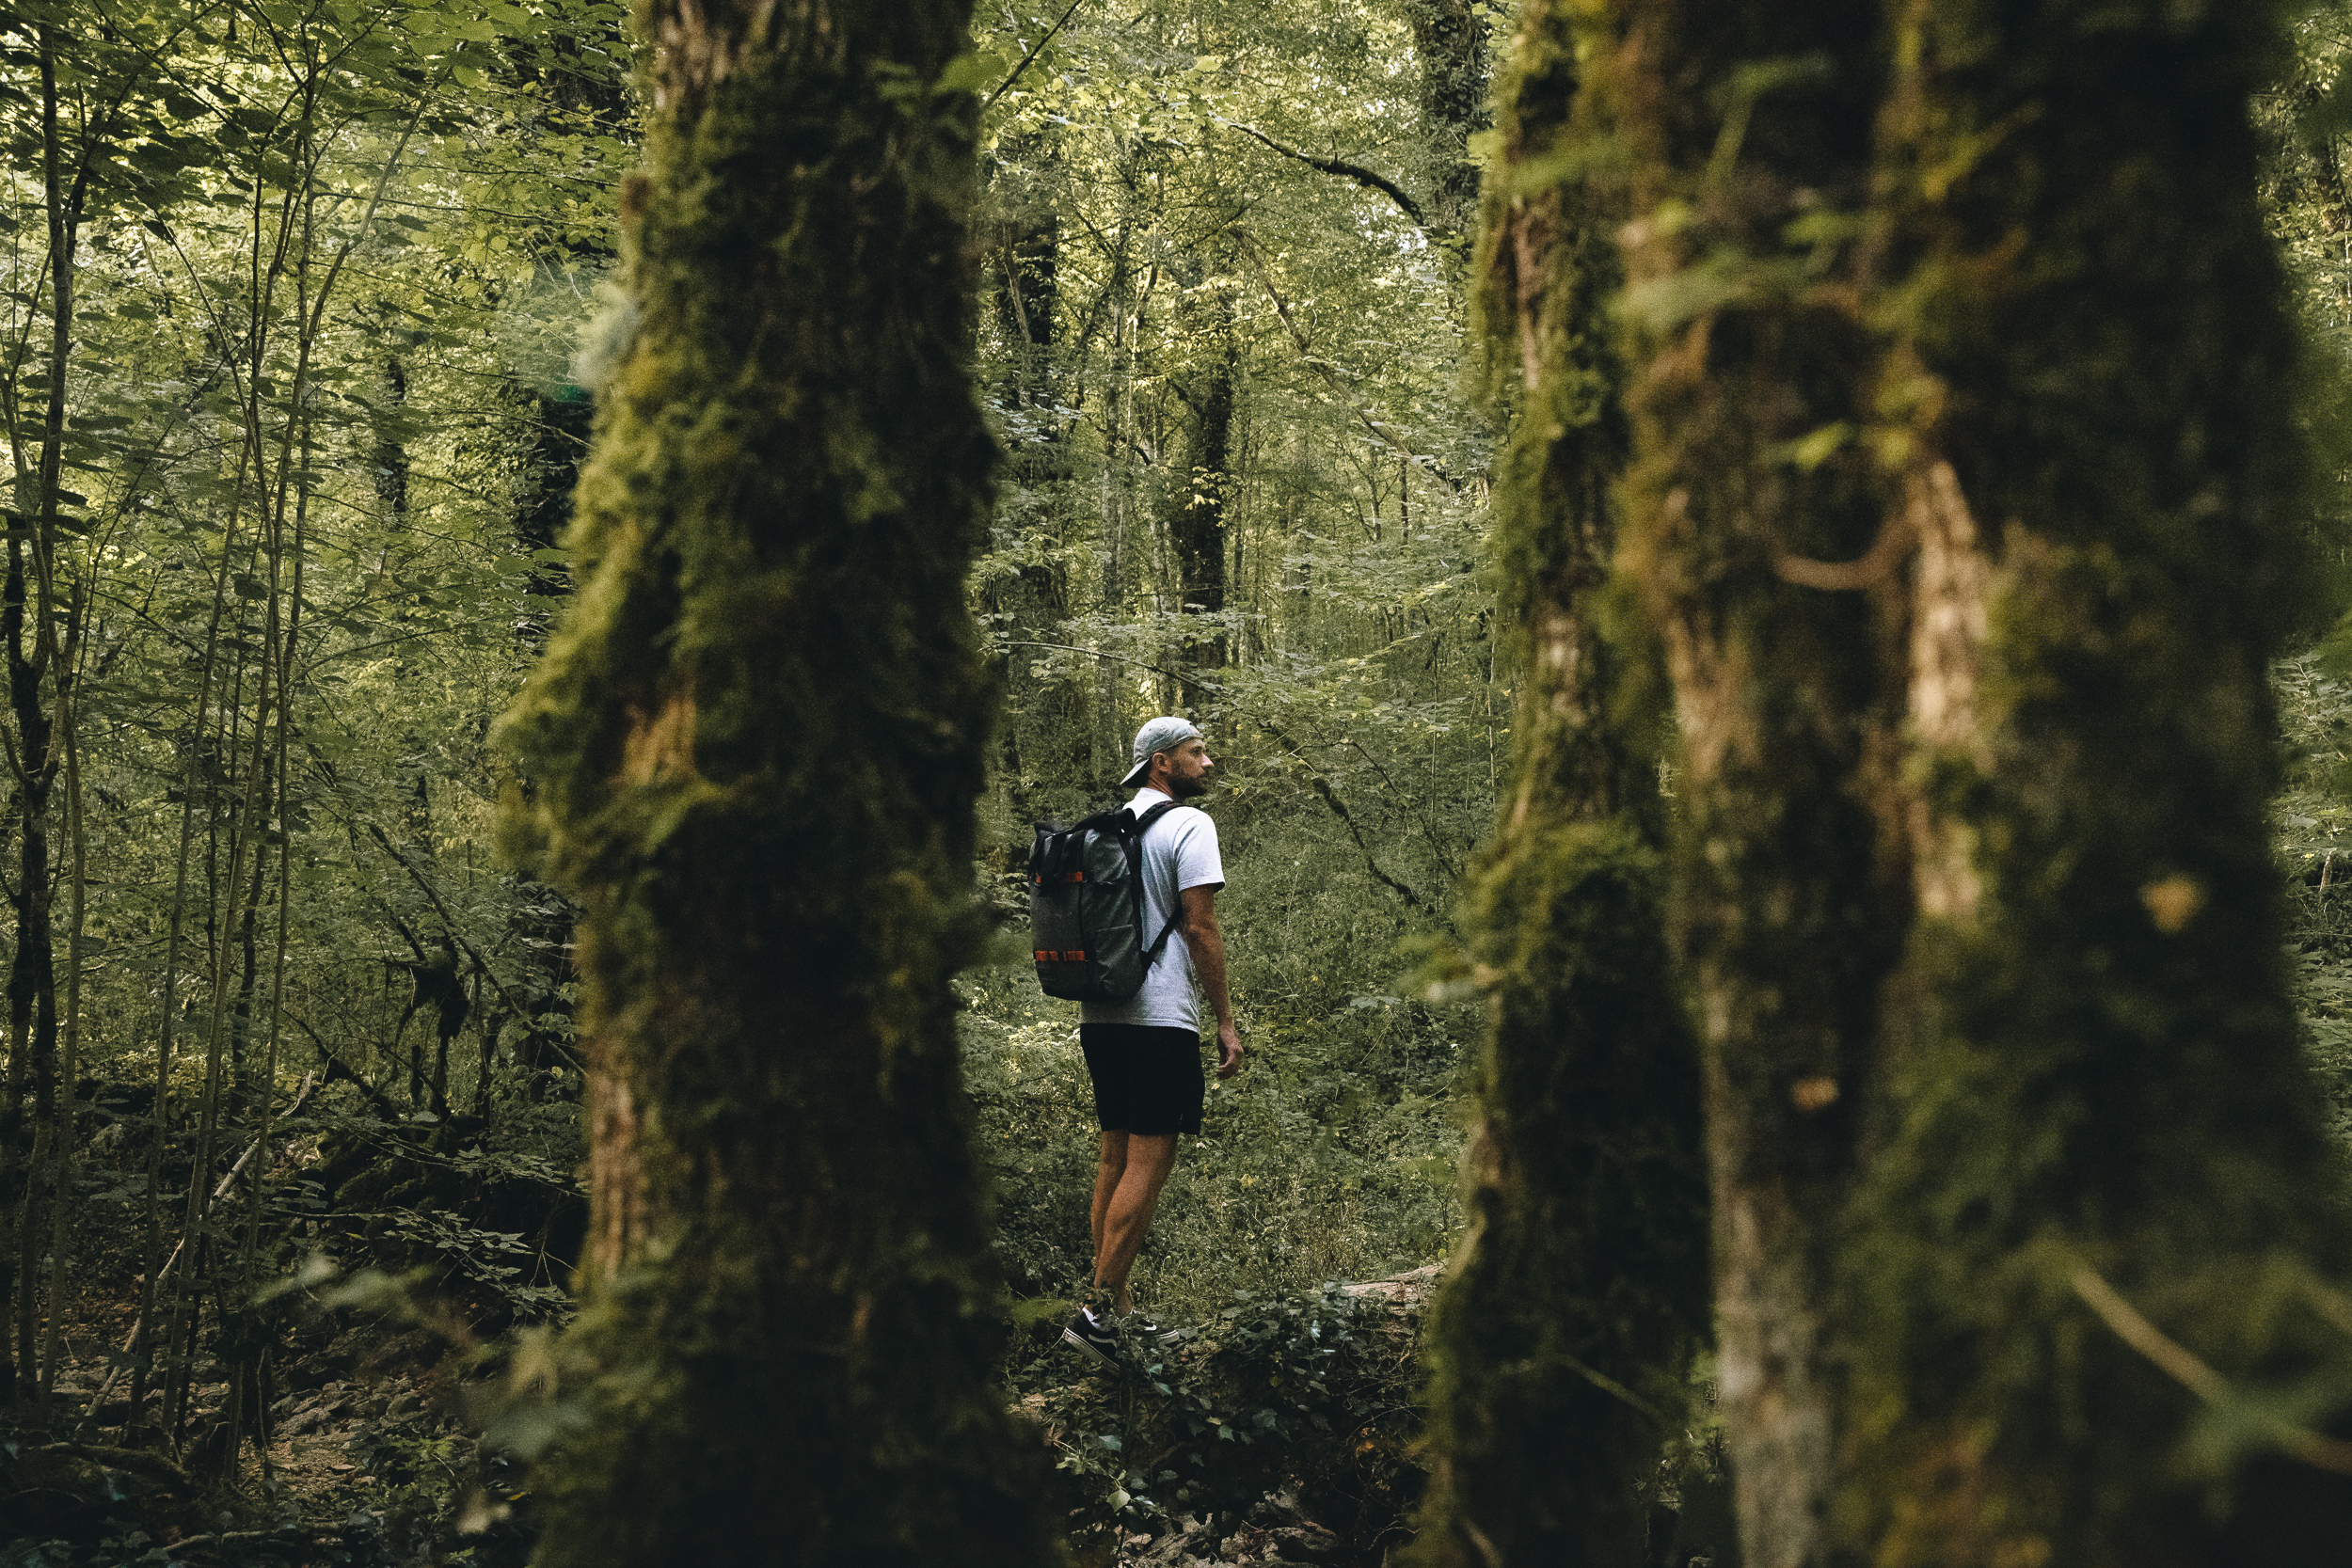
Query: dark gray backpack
(1085,906)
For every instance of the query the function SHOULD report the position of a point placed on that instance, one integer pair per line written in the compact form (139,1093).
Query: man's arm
(1206,945)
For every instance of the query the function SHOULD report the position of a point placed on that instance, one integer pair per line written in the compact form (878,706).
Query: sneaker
(1095,1339)
(1146,1330)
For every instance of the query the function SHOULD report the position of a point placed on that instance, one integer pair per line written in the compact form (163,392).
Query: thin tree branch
(309,1081)
(1322,787)
(1005,85)
(2180,1364)
(1360,175)
(449,923)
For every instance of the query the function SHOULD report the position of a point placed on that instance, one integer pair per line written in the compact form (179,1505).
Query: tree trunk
(543,506)
(29,650)
(1786,926)
(755,743)
(1197,522)
(1199,479)
(1449,41)
(1585,1265)
(1045,740)
(32,980)
(1963,500)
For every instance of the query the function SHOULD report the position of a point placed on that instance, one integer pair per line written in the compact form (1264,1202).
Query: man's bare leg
(1123,1205)
(1109,1167)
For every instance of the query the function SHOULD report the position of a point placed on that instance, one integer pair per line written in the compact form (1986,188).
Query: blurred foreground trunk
(1964,498)
(1581,1287)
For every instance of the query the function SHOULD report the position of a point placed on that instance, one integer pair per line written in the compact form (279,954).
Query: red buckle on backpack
(1046,955)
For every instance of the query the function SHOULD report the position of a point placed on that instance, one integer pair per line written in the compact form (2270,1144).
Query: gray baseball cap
(1163,734)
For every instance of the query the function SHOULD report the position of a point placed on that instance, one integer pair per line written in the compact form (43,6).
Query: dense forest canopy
(1338,359)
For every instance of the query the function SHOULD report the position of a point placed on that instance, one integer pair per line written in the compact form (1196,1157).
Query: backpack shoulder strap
(1175,919)
(1144,822)
(1134,848)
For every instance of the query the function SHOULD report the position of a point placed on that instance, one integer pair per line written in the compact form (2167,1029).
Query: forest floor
(366,1445)
(71,1494)
(1278,1433)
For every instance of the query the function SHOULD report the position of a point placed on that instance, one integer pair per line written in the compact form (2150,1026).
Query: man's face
(1188,770)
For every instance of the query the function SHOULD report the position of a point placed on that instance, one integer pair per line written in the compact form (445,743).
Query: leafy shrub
(1305,1390)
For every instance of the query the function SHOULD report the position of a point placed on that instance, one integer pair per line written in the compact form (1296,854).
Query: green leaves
(976,71)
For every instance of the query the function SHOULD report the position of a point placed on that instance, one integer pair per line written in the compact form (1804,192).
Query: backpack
(1085,906)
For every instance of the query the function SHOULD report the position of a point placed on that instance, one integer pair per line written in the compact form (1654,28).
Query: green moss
(1581,1288)
(2098,1065)
(752,751)
(1587,1250)
(1970,881)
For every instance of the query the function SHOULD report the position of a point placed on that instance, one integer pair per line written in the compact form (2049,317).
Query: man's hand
(1206,945)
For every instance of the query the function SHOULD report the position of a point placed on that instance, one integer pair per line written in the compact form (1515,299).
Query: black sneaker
(1096,1339)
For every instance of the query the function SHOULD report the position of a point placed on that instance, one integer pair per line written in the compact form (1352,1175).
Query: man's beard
(1185,789)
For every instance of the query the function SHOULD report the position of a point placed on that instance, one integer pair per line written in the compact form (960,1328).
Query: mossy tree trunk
(753,749)
(1581,1287)
(1963,499)
(2089,1051)
(1785,923)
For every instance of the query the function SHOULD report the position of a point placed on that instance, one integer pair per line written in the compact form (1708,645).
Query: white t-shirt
(1178,852)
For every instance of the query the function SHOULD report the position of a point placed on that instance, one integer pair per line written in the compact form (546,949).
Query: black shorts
(1146,1080)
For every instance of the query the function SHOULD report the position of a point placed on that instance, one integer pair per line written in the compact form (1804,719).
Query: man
(1144,1053)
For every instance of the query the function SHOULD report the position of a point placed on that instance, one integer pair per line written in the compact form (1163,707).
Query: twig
(1445,860)
(1322,787)
(1004,86)
(309,1081)
(1307,353)
(2179,1363)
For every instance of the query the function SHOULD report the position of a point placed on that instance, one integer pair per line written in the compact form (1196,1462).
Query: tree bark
(1045,737)
(1197,521)
(1199,479)
(1450,42)
(1580,1290)
(30,651)
(1963,501)
(755,743)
